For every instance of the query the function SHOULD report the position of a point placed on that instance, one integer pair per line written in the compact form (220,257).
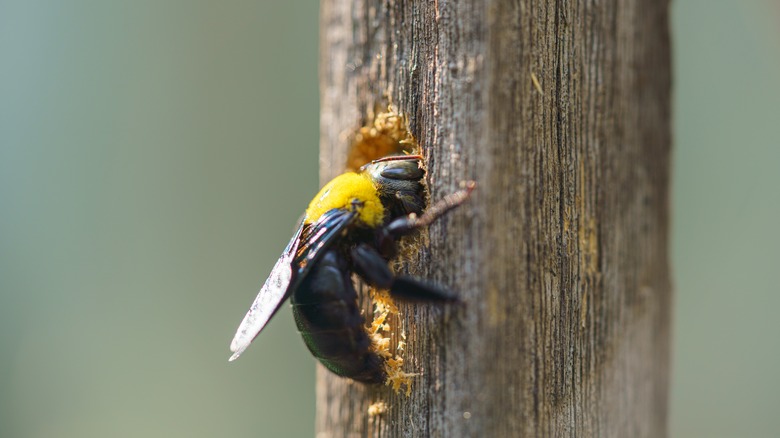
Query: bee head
(399,183)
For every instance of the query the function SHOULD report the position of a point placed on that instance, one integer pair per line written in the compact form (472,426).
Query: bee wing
(319,236)
(305,248)
(268,300)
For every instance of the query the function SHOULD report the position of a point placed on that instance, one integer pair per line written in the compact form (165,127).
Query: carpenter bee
(352,226)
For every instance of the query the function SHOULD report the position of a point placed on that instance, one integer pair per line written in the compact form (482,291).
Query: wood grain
(560,110)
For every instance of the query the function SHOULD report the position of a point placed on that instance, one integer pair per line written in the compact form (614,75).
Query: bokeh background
(154,156)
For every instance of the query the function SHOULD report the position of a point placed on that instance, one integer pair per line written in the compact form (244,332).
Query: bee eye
(410,171)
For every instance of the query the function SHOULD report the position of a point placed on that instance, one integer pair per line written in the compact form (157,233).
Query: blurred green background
(154,156)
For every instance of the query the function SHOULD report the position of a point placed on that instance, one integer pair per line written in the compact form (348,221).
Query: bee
(353,225)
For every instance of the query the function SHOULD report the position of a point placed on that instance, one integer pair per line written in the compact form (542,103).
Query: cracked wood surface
(560,110)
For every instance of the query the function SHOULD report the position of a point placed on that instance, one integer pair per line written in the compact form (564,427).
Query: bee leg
(407,224)
(372,268)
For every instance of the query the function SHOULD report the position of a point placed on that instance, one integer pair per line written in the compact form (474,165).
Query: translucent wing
(305,248)
(268,300)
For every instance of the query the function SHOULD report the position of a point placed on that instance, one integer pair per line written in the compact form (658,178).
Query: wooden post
(560,110)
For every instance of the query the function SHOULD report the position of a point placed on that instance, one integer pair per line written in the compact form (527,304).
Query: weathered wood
(560,111)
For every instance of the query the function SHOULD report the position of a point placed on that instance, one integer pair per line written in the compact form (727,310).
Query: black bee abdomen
(327,314)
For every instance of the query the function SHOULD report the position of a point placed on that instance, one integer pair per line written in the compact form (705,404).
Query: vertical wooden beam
(560,110)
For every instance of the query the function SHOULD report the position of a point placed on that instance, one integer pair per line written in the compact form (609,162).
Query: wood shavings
(537,85)
(386,134)
(377,408)
(384,310)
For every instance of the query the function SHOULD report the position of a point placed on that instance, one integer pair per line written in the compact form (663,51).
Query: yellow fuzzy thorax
(341,192)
